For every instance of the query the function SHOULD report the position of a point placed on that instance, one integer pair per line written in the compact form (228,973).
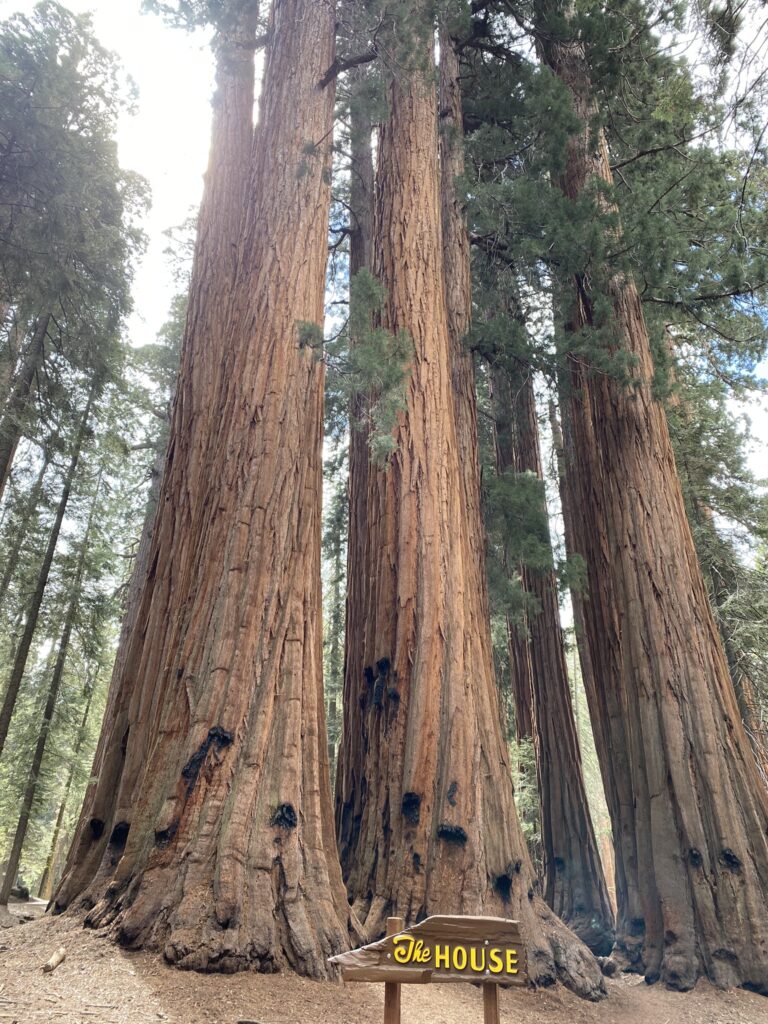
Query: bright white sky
(167,142)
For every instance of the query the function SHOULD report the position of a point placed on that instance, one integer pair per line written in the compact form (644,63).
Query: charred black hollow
(503,886)
(452,834)
(453,789)
(284,816)
(411,807)
(730,860)
(96,826)
(217,737)
(120,832)
(163,836)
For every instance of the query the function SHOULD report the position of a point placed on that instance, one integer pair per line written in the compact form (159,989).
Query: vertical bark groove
(438,829)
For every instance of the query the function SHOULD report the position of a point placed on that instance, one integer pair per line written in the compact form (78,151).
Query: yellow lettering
(496,964)
(403,947)
(477,958)
(442,956)
(511,961)
(459,958)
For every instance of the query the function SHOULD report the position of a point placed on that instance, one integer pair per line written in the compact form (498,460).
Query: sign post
(484,950)
(392,988)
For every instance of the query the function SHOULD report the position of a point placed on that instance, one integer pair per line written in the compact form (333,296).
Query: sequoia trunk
(698,811)
(223,843)
(575,884)
(437,828)
(348,776)
(219,226)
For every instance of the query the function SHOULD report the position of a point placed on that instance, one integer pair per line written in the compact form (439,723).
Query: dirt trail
(99,983)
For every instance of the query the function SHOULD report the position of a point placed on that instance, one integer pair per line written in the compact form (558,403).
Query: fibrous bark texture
(427,821)
(688,798)
(222,852)
(219,226)
(574,880)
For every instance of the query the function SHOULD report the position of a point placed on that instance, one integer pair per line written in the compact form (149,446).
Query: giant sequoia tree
(219,223)
(427,818)
(221,847)
(693,832)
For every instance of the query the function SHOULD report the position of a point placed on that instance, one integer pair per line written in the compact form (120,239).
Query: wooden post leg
(490,1004)
(392,988)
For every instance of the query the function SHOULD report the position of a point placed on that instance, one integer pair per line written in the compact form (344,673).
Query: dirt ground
(98,983)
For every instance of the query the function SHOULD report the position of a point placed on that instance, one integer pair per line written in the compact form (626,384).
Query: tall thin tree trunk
(698,811)
(12,414)
(223,846)
(19,535)
(438,829)
(57,675)
(33,609)
(361,192)
(45,890)
(219,224)
(520,665)
(575,884)
(608,731)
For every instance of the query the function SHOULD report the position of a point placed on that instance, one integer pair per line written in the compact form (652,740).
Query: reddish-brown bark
(574,881)
(666,715)
(437,828)
(222,853)
(219,226)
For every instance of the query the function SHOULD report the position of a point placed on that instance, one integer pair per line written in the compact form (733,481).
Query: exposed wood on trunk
(223,849)
(13,413)
(36,600)
(697,809)
(438,827)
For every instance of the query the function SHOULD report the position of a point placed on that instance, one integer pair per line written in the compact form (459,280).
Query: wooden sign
(488,950)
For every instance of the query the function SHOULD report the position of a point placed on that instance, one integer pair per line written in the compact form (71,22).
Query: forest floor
(98,983)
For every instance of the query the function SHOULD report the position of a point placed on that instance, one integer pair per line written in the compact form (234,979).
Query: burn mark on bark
(637,926)
(503,886)
(382,666)
(411,807)
(163,836)
(369,675)
(284,816)
(453,789)
(695,858)
(218,738)
(119,835)
(559,864)
(530,895)
(96,826)
(417,863)
(730,860)
(454,834)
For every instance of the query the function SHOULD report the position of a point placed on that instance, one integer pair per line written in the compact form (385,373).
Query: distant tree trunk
(609,733)
(12,414)
(698,810)
(219,225)
(438,829)
(575,884)
(19,535)
(57,675)
(33,609)
(45,890)
(348,775)
(520,665)
(223,846)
